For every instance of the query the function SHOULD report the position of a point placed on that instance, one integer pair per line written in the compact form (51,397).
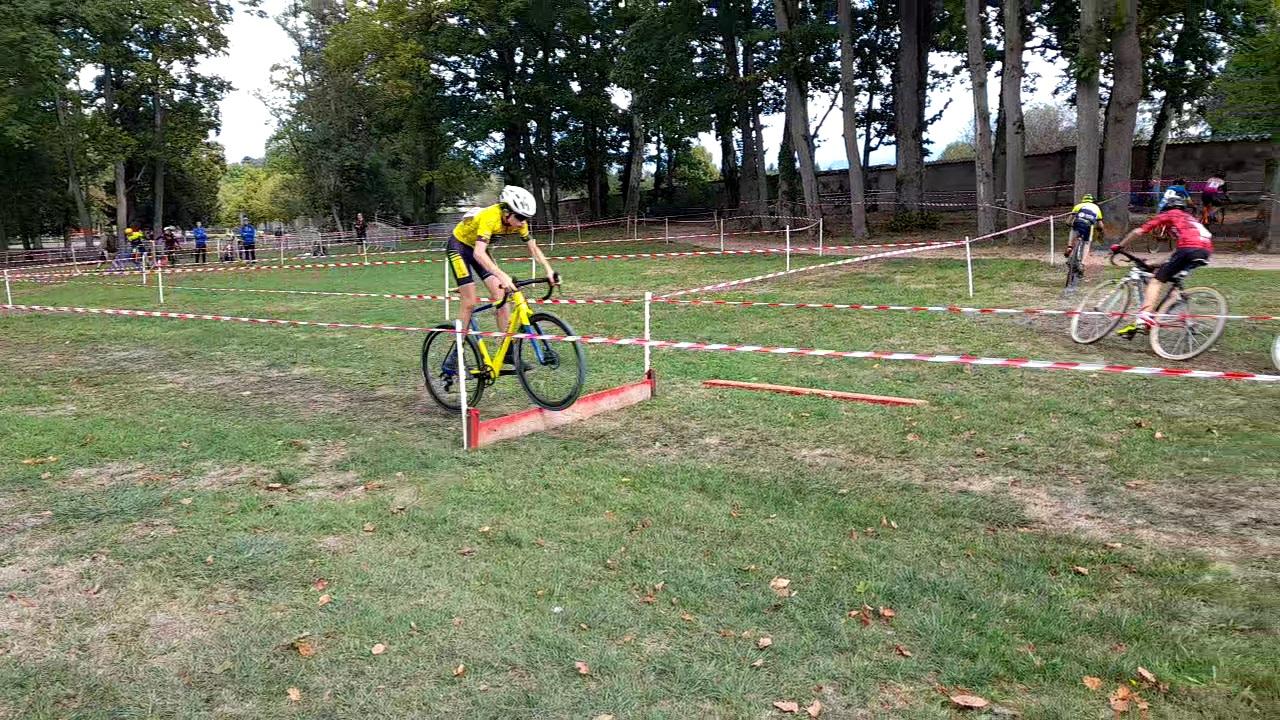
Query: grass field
(237,513)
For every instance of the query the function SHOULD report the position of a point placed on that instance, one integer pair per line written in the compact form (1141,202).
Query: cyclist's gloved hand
(555,278)
(1115,248)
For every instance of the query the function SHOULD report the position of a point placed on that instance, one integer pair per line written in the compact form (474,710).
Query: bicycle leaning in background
(1188,320)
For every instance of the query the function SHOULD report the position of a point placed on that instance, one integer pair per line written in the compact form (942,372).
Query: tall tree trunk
(866,153)
(909,99)
(1088,62)
(748,176)
(728,160)
(751,86)
(158,179)
(1171,104)
(659,177)
(857,198)
(635,166)
(785,12)
(975,24)
(1272,211)
(69,144)
(1122,113)
(122,199)
(787,173)
(549,157)
(1015,132)
(998,153)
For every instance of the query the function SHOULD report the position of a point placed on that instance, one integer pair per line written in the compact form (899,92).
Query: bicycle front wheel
(1075,265)
(440,369)
(1182,331)
(552,372)
(1111,299)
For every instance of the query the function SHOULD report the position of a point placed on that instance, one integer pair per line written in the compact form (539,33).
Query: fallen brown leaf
(208,560)
(1114,545)
(853,534)
(969,702)
(369,527)
(582,668)
(319,584)
(275,486)
(603,717)
(1119,699)
(304,648)
(686,617)
(40,460)
(780,586)
(648,599)
(460,670)
(764,642)
(46,475)
(1091,682)
(902,651)
(1159,435)
(887,613)
(457,622)
(758,663)
(324,600)
(658,587)
(466,551)
(787,706)
(814,709)
(186,501)
(378,649)
(295,695)
(726,633)
(397,509)
(1147,676)
(1079,570)
(1119,648)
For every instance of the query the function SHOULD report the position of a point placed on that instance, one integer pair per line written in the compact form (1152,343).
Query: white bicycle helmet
(518,200)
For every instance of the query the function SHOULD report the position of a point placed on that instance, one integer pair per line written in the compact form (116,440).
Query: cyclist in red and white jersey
(1194,244)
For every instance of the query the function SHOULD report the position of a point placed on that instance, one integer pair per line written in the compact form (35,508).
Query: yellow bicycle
(552,372)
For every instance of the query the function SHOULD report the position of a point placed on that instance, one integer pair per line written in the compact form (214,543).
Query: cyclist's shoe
(1128,331)
(1068,252)
(1142,323)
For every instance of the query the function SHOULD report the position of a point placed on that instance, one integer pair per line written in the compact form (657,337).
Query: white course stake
(553,235)
(666,230)
(579,231)
(364,250)
(462,381)
(648,297)
(75,269)
(819,236)
(446,288)
(282,251)
(8,292)
(721,234)
(968,261)
(788,247)
(160,284)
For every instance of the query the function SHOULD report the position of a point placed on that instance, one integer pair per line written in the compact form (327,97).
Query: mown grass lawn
(213,482)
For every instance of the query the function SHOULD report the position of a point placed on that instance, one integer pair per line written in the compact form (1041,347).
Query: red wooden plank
(487,432)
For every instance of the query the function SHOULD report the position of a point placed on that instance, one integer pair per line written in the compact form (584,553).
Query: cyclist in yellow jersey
(468,249)
(1086,217)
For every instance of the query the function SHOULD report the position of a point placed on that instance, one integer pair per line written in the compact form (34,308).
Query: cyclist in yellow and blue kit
(468,249)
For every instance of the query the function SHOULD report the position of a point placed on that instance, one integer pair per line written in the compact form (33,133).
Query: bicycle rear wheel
(1180,337)
(440,369)
(1113,298)
(1075,264)
(552,372)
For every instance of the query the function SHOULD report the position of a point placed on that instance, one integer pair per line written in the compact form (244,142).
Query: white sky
(256,44)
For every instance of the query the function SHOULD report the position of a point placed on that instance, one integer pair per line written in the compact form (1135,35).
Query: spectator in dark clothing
(249,240)
(362,230)
(202,243)
(171,245)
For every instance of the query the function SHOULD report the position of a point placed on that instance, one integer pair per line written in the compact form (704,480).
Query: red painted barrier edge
(481,433)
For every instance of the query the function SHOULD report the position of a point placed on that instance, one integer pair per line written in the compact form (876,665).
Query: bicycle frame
(521,316)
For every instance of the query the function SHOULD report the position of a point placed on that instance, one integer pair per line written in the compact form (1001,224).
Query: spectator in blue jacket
(248,239)
(202,242)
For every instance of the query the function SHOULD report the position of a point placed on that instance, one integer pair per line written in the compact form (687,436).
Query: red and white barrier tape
(697,346)
(950,309)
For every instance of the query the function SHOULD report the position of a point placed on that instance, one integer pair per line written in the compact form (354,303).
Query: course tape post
(972,360)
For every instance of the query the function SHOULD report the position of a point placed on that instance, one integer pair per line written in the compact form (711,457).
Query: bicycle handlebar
(1142,264)
(551,288)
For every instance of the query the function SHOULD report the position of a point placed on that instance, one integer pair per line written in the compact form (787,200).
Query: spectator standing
(202,243)
(362,230)
(171,245)
(249,240)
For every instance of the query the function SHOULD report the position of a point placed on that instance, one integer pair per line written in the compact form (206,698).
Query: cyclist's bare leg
(469,301)
(1151,295)
(495,291)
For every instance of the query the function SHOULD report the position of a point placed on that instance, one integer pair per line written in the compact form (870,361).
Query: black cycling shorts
(1212,200)
(462,260)
(1181,259)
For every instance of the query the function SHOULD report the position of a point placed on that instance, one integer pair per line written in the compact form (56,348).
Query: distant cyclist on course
(1086,217)
(468,250)
(1194,243)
